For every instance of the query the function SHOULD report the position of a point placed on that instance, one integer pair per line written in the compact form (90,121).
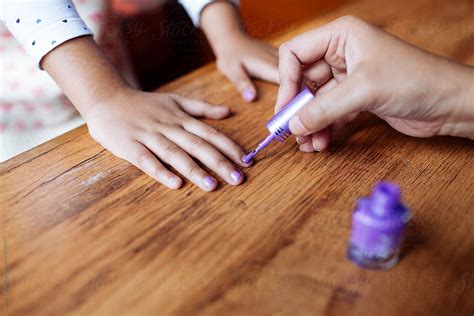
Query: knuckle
(222,65)
(142,159)
(235,73)
(96,134)
(234,148)
(284,49)
(160,172)
(323,112)
(305,121)
(211,132)
(348,20)
(196,143)
(354,24)
(235,152)
(171,150)
(365,78)
(221,163)
(182,116)
(193,170)
(173,96)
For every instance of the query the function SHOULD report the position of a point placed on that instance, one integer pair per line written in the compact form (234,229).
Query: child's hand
(142,127)
(243,57)
(239,56)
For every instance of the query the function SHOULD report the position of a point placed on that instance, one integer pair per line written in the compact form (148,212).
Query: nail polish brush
(278,125)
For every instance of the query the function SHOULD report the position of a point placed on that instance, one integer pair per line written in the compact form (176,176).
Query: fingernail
(248,94)
(209,182)
(298,141)
(174,183)
(316,148)
(236,175)
(307,147)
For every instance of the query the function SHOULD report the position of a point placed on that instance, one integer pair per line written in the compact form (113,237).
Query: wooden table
(84,233)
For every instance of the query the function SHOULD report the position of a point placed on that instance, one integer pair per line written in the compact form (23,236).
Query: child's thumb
(241,80)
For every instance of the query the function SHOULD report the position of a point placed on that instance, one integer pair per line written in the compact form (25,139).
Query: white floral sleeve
(41,25)
(194,8)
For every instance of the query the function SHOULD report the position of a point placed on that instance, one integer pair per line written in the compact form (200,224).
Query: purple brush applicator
(278,124)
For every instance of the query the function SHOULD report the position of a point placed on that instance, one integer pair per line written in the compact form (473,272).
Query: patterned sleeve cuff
(195,7)
(42,25)
(49,38)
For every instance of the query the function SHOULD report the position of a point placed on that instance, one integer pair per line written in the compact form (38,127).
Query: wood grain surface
(85,233)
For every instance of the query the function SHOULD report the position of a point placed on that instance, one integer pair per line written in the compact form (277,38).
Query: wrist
(94,79)
(227,43)
(230,28)
(112,100)
(458,97)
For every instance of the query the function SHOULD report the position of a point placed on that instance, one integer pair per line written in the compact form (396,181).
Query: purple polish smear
(278,125)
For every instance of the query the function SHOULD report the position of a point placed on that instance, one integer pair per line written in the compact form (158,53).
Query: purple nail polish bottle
(378,223)
(278,125)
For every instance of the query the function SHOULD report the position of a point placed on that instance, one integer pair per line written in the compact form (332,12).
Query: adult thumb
(345,98)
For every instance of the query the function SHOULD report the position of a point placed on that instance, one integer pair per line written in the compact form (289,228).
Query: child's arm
(41,26)
(239,56)
(141,127)
(136,126)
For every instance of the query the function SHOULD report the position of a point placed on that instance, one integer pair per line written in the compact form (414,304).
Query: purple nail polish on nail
(209,182)
(249,95)
(236,175)
(173,182)
(307,148)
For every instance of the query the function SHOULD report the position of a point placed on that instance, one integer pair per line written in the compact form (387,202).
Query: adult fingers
(316,76)
(318,72)
(318,141)
(309,48)
(347,97)
(306,48)
(303,139)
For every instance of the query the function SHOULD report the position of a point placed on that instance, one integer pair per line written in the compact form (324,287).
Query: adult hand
(359,67)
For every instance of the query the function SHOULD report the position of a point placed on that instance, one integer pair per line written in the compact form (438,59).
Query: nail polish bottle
(378,223)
